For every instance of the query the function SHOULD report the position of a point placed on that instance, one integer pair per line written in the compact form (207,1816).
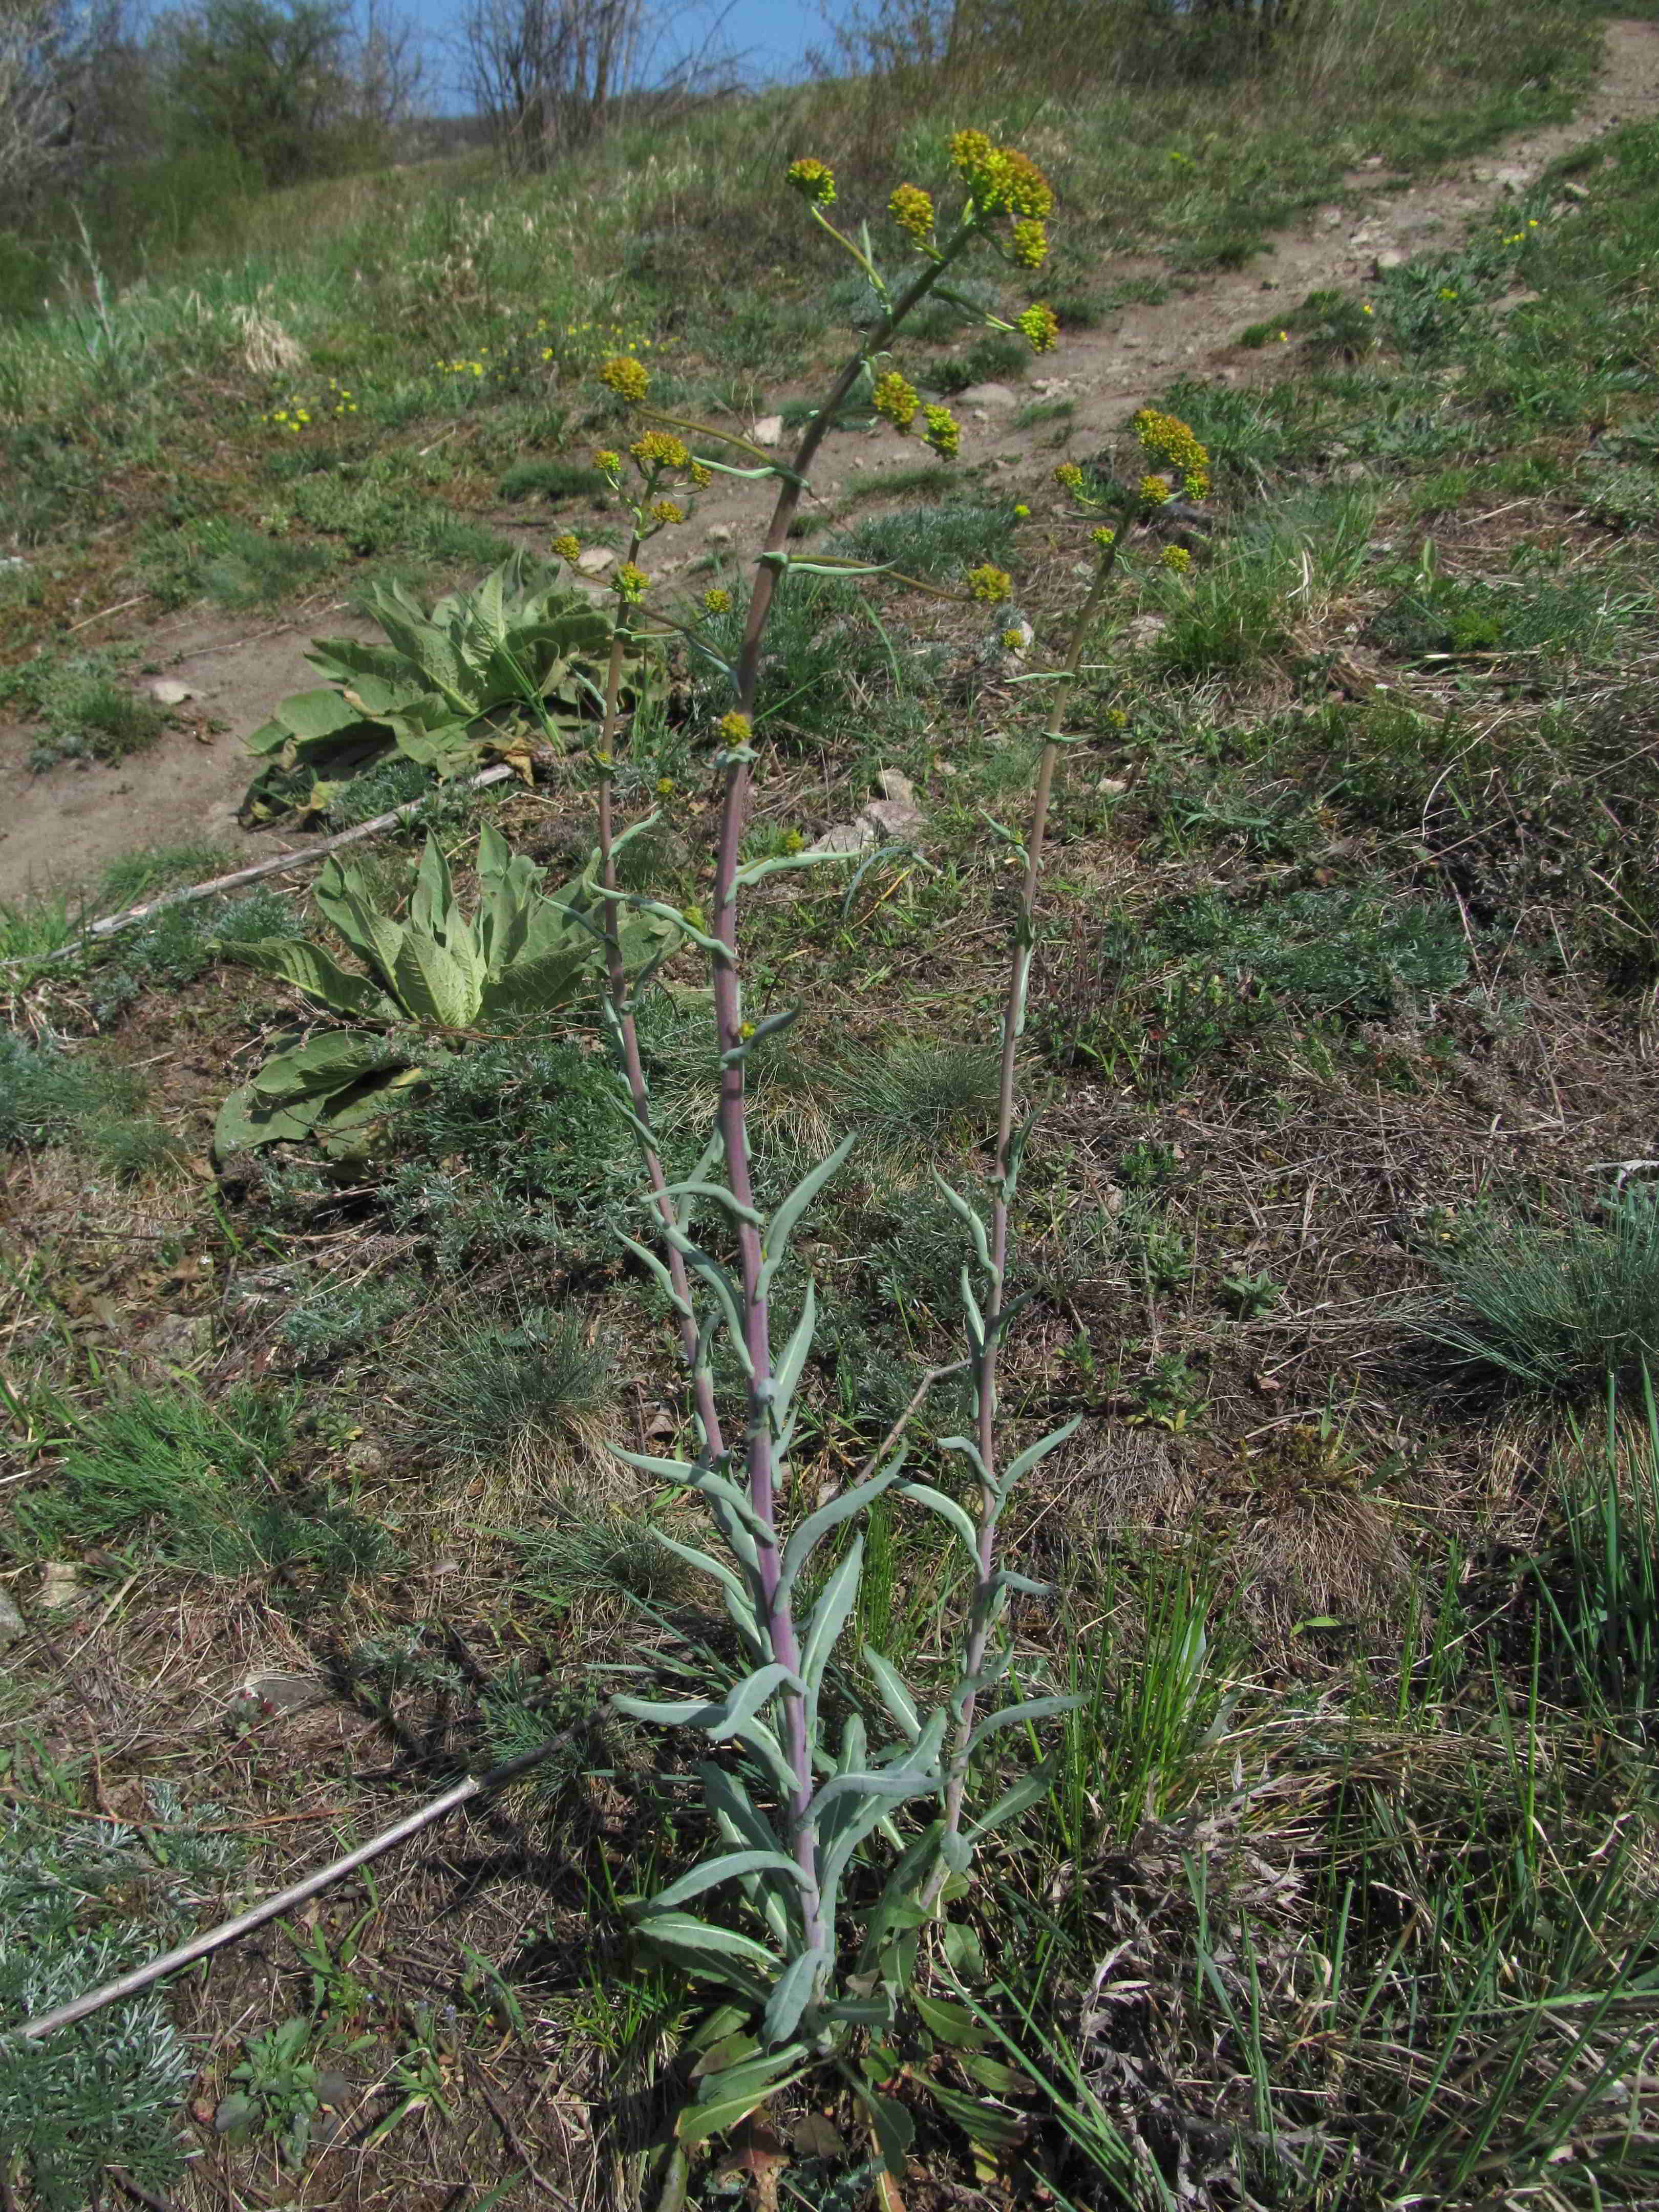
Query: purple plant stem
(762,1469)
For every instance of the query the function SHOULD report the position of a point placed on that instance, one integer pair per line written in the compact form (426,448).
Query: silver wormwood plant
(794,1804)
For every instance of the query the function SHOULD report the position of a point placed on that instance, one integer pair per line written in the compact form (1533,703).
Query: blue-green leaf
(895,1693)
(1033,1453)
(1032,1709)
(970,1218)
(782,1224)
(727,1868)
(948,1510)
(1028,1791)
(804,1538)
(790,1999)
(830,1614)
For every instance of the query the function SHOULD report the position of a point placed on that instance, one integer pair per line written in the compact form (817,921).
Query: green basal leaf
(727,1868)
(310,969)
(980,2122)
(794,1993)
(726,2099)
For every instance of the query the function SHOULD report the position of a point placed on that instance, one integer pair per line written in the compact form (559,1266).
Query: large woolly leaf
(340,895)
(322,1063)
(537,986)
(432,985)
(311,969)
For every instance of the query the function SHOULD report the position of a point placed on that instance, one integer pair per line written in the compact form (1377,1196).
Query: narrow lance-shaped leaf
(790,1999)
(830,1615)
(727,1868)
(922,1493)
(895,1693)
(1032,1709)
(805,1538)
(782,1224)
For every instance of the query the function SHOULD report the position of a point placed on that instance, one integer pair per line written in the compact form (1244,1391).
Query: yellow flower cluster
(1030,244)
(912,210)
(661,449)
(626,377)
(1153,491)
(631,583)
(1167,438)
(895,400)
(716,601)
(737,729)
(1014,640)
(607,460)
(566,546)
(942,432)
(1000,180)
(462,367)
(990,585)
(1040,326)
(1177,558)
(586,340)
(1105,537)
(667,511)
(814,180)
(1068,476)
(295,415)
(702,475)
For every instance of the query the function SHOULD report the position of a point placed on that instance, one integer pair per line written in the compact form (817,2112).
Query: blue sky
(772,35)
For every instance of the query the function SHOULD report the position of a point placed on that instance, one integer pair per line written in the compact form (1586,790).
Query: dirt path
(62,826)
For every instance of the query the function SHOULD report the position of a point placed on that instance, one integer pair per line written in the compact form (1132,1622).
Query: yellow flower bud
(814,180)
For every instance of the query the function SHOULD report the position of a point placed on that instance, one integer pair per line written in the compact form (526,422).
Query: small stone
(719,533)
(167,691)
(895,784)
(1389,258)
(60,1586)
(1372,161)
(594,560)
(892,818)
(769,431)
(1111,786)
(11,1622)
(989,395)
(288,1693)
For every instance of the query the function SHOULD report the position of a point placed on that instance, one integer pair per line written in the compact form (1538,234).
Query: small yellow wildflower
(1367,308)
(631,583)
(912,210)
(665,787)
(1447,292)
(1022,510)
(745,1030)
(737,729)
(566,545)
(607,462)
(1030,244)
(942,432)
(1068,476)
(1105,537)
(1283,337)
(814,180)
(894,398)
(625,377)
(1177,558)
(1152,491)
(667,511)
(660,449)
(1040,326)
(989,585)
(1116,718)
(716,601)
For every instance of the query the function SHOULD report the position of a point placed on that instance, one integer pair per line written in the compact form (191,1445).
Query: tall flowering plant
(825,1896)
